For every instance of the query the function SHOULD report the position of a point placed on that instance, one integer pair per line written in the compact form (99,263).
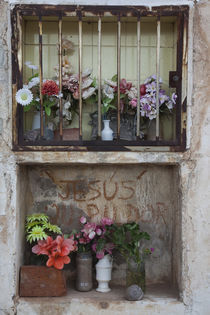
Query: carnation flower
(49,87)
(24,97)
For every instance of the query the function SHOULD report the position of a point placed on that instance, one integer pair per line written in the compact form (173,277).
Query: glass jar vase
(135,274)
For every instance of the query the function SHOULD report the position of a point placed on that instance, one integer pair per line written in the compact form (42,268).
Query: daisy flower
(24,97)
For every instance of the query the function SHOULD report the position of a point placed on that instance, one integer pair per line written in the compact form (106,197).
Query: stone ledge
(159,299)
(172,158)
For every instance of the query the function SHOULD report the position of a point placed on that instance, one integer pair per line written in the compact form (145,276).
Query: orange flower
(58,261)
(57,250)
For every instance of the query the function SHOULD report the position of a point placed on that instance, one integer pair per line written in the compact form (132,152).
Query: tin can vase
(84,280)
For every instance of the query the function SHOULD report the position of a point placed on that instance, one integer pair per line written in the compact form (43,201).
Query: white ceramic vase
(103,273)
(36,121)
(107,132)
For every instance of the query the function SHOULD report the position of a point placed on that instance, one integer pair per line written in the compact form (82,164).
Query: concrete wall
(192,169)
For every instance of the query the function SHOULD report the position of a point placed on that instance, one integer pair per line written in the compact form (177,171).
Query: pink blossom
(82,241)
(88,227)
(94,247)
(83,220)
(91,235)
(98,231)
(100,254)
(106,221)
(133,102)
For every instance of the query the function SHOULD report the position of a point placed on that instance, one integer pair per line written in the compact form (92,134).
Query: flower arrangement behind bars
(129,100)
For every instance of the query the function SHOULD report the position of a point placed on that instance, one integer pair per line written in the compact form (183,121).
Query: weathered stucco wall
(193,251)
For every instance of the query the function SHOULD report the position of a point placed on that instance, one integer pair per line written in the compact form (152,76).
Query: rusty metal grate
(175,77)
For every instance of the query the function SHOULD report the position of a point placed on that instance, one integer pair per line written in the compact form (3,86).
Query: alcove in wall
(148,194)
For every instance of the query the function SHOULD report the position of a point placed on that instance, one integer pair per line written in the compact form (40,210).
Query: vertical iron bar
(99,77)
(157,78)
(80,78)
(118,75)
(41,77)
(60,76)
(138,74)
(19,109)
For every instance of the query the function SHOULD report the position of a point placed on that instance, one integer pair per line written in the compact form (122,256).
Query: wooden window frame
(175,79)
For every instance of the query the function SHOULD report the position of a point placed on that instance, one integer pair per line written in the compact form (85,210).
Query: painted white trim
(189,78)
(147,3)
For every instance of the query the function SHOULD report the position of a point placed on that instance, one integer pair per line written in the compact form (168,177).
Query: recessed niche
(148,194)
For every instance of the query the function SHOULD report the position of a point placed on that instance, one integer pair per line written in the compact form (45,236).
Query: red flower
(49,87)
(142,89)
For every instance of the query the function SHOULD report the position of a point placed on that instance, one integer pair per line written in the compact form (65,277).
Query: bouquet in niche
(29,95)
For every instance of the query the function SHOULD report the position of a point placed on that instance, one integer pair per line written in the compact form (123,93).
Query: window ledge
(159,299)
(68,158)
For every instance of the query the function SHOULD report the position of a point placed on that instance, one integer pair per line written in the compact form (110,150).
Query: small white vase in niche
(107,132)
(36,120)
(103,273)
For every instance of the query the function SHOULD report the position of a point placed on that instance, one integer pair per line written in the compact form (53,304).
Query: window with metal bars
(99,78)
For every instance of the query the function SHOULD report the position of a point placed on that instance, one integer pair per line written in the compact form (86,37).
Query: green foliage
(126,238)
(38,227)
(33,76)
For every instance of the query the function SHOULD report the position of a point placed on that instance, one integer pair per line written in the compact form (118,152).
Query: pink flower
(88,227)
(133,102)
(152,249)
(106,221)
(91,235)
(100,254)
(82,241)
(94,247)
(44,247)
(98,231)
(83,220)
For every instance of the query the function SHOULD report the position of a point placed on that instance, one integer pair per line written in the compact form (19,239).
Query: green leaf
(52,228)
(37,217)
(27,107)
(33,76)
(94,83)
(47,110)
(114,78)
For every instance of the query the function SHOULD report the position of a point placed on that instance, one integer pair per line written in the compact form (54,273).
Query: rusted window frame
(19,144)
